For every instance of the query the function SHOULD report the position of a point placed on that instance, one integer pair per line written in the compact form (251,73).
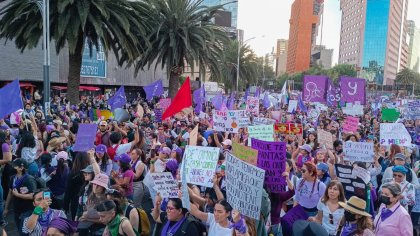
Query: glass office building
(230,6)
(375,39)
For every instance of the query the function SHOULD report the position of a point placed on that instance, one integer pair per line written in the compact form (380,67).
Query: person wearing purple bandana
(392,218)
(37,224)
(111,215)
(173,219)
(356,221)
(62,227)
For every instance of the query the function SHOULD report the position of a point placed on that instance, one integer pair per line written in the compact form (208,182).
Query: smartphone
(47,195)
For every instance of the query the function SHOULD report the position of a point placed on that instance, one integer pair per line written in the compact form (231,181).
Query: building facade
(281,56)
(414,46)
(374,38)
(304,24)
(322,56)
(231,6)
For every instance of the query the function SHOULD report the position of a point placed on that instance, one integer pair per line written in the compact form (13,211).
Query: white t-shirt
(215,229)
(337,216)
(122,148)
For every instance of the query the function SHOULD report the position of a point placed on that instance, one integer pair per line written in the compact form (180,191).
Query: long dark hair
(3,138)
(27,140)
(104,161)
(341,197)
(125,166)
(80,161)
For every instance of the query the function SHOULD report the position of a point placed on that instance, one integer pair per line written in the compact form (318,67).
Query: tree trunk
(174,74)
(75,64)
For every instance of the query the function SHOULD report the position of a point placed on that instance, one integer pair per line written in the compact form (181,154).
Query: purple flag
(333,94)
(154,89)
(217,101)
(257,92)
(266,101)
(301,105)
(85,137)
(246,93)
(10,100)
(353,89)
(315,88)
(199,99)
(118,100)
(231,101)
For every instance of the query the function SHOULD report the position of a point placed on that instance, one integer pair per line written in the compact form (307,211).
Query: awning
(26,84)
(81,88)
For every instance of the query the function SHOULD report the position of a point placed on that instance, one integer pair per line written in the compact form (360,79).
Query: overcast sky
(268,20)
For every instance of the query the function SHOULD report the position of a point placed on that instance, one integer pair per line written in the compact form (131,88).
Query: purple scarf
(172,230)
(348,229)
(19,181)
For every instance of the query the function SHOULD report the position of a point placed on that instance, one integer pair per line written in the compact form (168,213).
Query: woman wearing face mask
(329,211)
(356,221)
(309,189)
(407,189)
(392,218)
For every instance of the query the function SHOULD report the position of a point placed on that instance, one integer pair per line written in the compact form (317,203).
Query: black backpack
(202,229)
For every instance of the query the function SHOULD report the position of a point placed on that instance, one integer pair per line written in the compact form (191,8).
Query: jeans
(276,230)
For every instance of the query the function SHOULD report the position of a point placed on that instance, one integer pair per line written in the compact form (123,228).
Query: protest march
(335,161)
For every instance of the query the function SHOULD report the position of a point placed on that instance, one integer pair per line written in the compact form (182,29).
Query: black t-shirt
(28,186)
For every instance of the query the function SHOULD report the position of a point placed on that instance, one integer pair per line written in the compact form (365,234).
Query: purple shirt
(308,193)
(399,223)
(277,200)
(130,174)
(5,148)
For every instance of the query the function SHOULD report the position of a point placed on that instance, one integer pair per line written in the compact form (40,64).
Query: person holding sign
(309,189)
(392,218)
(329,211)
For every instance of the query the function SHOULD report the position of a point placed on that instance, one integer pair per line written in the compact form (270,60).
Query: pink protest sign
(253,105)
(164,103)
(351,124)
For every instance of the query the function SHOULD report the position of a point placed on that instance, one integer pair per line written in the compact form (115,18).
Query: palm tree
(182,33)
(117,25)
(248,66)
(405,77)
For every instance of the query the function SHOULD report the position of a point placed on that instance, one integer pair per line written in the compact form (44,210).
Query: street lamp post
(45,10)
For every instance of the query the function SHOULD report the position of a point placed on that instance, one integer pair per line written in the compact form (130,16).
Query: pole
(237,62)
(46,46)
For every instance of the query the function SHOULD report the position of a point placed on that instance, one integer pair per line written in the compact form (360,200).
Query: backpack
(202,229)
(40,182)
(144,223)
(112,151)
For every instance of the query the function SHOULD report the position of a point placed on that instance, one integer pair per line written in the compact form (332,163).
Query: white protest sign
(261,132)
(165,184)
(159,166)
(230,121)
(292,106)
(253,105)
(200,164)
(361,173)
(394,133)
(325,138)
(353,110)
(244,184)
(358,151)
(263,121)
(314,114)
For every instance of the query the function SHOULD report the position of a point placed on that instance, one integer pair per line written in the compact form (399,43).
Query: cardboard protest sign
(288,128)
(294,214)
(353,185)
(351,124)
(390,114)
(247,154)
(361,173)
(325,138)
(85,137)
(272,158)
(253,105)
(260,132)
(200,164)
(292,106)
(194,136)
(358,151)
(244,185)
(164,103)
(230,121)
(394,133)
(165,184)
(263,121)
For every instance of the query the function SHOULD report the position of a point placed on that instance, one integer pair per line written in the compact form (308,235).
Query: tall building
(231,6)
(322,56)
(281,56)
(414,46)
(373,38)
(304,22)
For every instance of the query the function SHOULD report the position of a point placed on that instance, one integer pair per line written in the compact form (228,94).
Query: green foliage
(407,76)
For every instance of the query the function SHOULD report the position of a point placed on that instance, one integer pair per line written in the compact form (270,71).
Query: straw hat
(355,205)
(53,143)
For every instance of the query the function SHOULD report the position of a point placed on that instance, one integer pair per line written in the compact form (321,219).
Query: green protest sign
(390,114)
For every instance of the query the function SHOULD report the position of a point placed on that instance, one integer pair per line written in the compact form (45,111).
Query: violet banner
(315,88)
(353,90)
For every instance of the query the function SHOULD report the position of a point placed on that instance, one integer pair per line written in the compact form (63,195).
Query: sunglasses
(331,218)
(400,176)
(168,208)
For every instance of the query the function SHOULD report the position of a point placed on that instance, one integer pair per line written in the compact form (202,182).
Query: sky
(268,20)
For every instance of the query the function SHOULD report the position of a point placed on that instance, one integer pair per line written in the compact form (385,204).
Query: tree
(406,76)
(341,70)
(117,25)
(228,66)
(182,33)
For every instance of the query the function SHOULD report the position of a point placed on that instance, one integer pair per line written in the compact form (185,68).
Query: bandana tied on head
(67,227)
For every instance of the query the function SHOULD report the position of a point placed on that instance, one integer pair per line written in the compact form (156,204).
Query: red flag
(181,100)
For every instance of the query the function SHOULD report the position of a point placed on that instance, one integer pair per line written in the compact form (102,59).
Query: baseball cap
(88,169)
(103,123)
(124,158)
(62,155)
(400,156)
(227,142)
(20,162)
(100,148)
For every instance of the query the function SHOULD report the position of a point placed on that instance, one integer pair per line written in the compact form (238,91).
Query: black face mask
(350,217)
(385,200)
